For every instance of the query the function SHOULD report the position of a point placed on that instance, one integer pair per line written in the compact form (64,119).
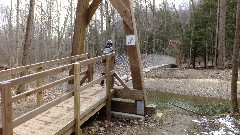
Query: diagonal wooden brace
(123,11)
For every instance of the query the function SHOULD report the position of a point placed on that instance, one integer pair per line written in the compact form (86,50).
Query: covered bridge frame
(84,13)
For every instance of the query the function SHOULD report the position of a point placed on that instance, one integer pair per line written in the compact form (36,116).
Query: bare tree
(10,36)
(236,48)
(27,43)
(191,52)
(153,28)
(221,34)
(17,33)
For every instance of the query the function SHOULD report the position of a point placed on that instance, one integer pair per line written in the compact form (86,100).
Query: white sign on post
(130,40)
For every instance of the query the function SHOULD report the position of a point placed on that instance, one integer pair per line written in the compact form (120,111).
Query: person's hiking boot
(102,83)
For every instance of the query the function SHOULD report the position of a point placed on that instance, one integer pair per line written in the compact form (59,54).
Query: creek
(211,115)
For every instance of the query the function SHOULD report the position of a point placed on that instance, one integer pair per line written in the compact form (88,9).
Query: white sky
(65,3)
(177,2)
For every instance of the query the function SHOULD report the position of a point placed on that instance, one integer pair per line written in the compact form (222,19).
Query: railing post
(77,70)
(7,120)
(39,94)
(90,69)
(109,85)
(112,64)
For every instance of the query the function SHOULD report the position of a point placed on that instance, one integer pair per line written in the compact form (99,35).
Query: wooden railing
(42,65)
(7,100)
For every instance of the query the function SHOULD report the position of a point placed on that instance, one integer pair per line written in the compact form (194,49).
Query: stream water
(212,114)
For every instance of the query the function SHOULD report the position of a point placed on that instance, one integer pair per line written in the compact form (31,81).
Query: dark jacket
(106,50)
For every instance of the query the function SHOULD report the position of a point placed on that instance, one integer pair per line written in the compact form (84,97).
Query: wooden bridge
(65,114)
(68,112)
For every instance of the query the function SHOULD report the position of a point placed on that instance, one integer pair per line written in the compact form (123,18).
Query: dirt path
(175,123)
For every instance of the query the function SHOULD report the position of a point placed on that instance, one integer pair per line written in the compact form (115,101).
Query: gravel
(205,83)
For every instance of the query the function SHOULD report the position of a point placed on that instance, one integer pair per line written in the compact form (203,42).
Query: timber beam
(129,94)
(92,9)
(79,37)
(78,45)
(134,53)
(124,12)
(131,108)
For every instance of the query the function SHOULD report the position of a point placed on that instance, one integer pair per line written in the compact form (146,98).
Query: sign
(140,107)
(130,40)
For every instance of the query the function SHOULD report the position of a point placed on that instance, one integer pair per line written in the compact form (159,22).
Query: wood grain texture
(124,12)
(121,81)
(129,94)
(41,64)
(108,86)
(7,119)
(77,70)
(36,76)
(134,53)
(79,36)
(40,93)
(58,119)
(42,88)
(92,9)
(20,120)
(90,69)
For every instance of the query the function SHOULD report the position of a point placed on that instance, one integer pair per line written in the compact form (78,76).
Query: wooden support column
(90,69)
(134,53)
(39,94)
(109,85)
(79,37)
(77,70)
(6,99)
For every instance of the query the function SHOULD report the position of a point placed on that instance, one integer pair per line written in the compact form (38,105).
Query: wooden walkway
(60,119)
(65,114)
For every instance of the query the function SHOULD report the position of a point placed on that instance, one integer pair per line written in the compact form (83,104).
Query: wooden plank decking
(60,119)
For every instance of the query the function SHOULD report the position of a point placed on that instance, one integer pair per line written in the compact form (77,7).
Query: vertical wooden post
(77,98)
(90,69)
(134,53)
(108,86)
(111,69)
(7,120)
(39,94)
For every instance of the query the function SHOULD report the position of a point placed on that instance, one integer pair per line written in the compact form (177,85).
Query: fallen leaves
(123,126)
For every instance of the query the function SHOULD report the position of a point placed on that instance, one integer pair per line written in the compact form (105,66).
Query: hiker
(106,50)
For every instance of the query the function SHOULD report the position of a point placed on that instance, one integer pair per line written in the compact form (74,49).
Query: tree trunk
(221,34)
(108,21)
(17,34)
(154,31)
(192,54)
(27,44)
(165,27)
(206,50)
(146,29)
(10,37)
(42,45)
(102,16)
(236,48)
(49,30)
(216,38)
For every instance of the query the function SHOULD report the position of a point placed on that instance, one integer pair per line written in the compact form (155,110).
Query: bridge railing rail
(7,100)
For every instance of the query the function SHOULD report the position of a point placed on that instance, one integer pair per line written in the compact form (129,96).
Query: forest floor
(210,83)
